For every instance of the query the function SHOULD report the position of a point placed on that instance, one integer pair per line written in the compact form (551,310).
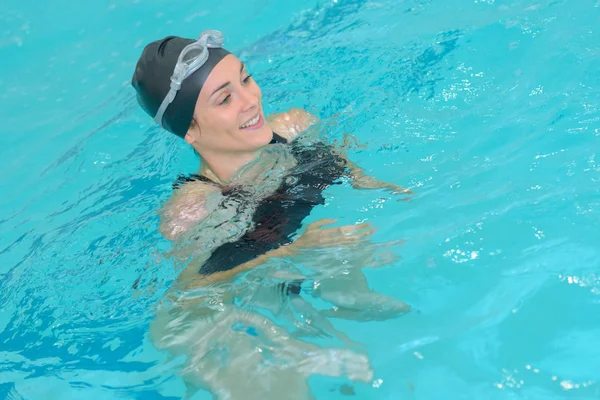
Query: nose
(249,100)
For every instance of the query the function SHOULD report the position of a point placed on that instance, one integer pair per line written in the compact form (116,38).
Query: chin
(263,137)
(259,137)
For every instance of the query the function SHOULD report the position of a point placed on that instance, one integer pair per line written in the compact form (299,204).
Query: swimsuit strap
(278,139)
(183,179)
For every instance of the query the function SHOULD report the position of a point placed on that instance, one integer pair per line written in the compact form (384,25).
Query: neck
(224,166)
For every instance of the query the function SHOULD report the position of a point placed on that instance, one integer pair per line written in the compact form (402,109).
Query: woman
(257,183)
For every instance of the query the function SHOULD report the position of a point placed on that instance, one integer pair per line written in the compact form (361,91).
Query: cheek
(256,90)
(218,118)
(225,119)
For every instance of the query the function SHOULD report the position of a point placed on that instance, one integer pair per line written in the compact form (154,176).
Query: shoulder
(185,208)
(291,123)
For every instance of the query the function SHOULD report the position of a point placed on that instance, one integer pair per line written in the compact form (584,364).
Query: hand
(363,181)
(315,237)
(399,190)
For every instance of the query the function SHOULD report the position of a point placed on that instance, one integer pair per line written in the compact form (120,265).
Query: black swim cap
(152,80)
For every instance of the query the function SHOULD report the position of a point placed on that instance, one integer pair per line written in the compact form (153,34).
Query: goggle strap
(208,39)
(166,101)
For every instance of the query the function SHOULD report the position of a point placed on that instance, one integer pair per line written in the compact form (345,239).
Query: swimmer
(257,182)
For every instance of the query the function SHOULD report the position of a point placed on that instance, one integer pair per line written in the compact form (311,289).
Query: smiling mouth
(252,123)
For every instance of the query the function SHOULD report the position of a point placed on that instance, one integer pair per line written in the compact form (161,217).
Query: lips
(253,123)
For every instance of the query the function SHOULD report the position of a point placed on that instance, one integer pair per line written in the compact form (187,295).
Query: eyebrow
(223,86)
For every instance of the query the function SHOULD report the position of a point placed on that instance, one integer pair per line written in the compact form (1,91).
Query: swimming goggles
(192,57)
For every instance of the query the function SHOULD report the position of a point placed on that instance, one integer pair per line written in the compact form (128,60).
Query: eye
(225,100)
(247,79)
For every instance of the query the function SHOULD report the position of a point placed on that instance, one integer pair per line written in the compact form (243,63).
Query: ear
(193,132)
(189,138)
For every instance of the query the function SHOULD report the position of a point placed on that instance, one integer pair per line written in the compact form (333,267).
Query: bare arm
(315,236)
(290,124)
(361,180)
(184,209)
(191,278)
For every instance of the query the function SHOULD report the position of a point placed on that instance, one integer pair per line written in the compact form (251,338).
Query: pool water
(488,110)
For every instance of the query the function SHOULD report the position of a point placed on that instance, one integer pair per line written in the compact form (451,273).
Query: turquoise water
(488,110)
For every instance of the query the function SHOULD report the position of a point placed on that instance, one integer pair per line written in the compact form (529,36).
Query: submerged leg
(238,354)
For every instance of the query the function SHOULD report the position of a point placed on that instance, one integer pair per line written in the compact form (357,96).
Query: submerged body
(220,309)
(278,216)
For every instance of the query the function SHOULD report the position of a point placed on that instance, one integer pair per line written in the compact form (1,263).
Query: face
(228,112)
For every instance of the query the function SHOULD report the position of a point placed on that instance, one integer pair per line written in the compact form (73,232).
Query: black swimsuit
(280,215)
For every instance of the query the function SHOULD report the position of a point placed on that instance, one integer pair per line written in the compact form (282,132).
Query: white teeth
(253,121)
